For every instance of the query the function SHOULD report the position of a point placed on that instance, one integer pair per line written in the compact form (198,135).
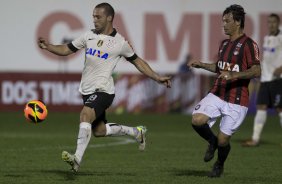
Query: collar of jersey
(113,34)
(237,38)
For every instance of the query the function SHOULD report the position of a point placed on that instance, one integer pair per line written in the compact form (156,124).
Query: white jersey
(272,56)
(102,53)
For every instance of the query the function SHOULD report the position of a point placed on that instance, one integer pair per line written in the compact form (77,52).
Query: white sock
(280,115)
(260,120)
(114,129)
(83,139)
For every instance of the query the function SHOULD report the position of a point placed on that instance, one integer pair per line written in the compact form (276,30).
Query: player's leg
(138,133)
(223,151)
(279,111)
(200,125)
(278,98)
(259,122)
(263,101)
(101,129)
(87,115)
(114,129)
(203,117)
(233,116)
(94,105)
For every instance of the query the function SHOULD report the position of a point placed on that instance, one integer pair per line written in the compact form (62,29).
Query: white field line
(118,141)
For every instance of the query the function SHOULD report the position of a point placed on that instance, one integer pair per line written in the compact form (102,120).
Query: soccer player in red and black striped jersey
(238,62)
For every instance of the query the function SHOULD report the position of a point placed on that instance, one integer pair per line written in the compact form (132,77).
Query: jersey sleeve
(251,52)
(78,43)
(128,52)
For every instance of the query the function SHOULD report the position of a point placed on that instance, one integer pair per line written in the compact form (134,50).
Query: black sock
(205,132)
(223,152)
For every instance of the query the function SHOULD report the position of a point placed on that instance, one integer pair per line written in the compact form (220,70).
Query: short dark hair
(237,12)
(275,16)
(108,9)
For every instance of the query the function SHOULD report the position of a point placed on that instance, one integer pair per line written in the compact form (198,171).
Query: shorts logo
(197,107)
(277,100)
(91,98)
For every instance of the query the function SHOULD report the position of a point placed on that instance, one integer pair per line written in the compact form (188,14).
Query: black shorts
(270,94)
(99,101)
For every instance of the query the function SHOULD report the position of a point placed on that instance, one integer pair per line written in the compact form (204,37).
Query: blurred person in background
(104,47)
(237,63)
(270,91)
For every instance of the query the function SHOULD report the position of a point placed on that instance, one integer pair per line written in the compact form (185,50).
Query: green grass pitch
(32,153)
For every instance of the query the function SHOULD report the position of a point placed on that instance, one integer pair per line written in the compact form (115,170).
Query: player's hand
(42,43)
(195,64)
(277,72)
(227,75)
(165,80)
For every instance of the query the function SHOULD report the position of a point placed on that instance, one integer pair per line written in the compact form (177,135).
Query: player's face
(230,26)
(273,25)
(100,19)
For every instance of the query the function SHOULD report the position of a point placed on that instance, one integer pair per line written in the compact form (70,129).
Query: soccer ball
(35,111)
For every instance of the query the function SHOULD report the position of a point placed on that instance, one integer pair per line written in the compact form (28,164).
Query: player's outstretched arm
(206,66)
(60,50)
(144,68)
(253,72)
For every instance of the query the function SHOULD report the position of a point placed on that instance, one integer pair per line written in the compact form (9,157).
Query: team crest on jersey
(238,46)
(100,43)
(223,45)
(111,44)
(236,52)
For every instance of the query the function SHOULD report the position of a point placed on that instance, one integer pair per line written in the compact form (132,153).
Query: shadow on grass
(69,175)
(263,142)
(15,175)
(188,172)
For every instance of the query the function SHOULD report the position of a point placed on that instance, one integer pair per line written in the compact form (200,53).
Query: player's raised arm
(128,52)
(144,68)
(60,50)
(206,66)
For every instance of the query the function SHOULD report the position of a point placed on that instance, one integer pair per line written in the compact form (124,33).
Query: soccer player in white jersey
(270,91)
(103,49)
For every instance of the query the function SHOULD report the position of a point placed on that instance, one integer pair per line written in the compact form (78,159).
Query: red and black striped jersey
(237,56)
